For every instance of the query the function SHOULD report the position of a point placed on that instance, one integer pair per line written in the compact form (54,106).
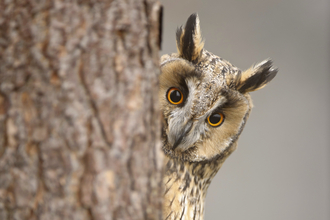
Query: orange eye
(215,119)
(174,96)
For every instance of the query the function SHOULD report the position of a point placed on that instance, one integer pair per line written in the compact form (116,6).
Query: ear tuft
(256,77)
(189,39)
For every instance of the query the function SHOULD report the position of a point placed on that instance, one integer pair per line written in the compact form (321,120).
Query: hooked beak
(180,137)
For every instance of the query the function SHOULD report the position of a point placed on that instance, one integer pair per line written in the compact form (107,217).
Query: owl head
(204,99)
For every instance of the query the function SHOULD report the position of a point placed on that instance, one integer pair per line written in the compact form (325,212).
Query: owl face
(205,100)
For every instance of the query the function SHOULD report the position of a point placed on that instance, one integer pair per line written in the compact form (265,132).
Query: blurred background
(281,169)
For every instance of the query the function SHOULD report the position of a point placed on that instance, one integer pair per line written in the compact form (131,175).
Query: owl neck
(186,184)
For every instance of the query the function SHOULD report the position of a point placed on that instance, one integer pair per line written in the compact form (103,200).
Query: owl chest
(184,193)
(182,201)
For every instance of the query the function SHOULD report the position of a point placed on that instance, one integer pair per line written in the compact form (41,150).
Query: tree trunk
(79,117)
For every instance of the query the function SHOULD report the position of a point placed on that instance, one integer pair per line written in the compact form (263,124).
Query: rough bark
(79,117)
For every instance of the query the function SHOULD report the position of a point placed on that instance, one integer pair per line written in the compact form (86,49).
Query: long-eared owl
(205,103)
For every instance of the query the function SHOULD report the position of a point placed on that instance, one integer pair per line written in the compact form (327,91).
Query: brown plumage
(205,104)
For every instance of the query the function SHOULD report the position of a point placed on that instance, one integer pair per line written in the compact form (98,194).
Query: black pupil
(175,96)
(214,119)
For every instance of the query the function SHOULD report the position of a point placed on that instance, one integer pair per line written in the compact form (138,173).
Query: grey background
(281,169)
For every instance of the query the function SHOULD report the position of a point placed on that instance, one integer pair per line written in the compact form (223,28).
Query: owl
(205,103)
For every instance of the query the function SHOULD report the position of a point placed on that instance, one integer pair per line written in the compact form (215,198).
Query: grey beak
(179,138)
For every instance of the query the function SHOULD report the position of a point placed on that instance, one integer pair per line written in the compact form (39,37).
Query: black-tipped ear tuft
(189,39)
(179,38)
(257,77)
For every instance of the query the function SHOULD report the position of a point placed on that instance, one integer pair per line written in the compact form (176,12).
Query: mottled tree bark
(79,117)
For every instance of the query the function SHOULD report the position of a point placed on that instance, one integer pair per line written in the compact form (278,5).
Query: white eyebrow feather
(169,60)
(218,103)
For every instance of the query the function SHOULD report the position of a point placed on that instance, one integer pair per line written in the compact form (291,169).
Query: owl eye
(174,96)
(215,119)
